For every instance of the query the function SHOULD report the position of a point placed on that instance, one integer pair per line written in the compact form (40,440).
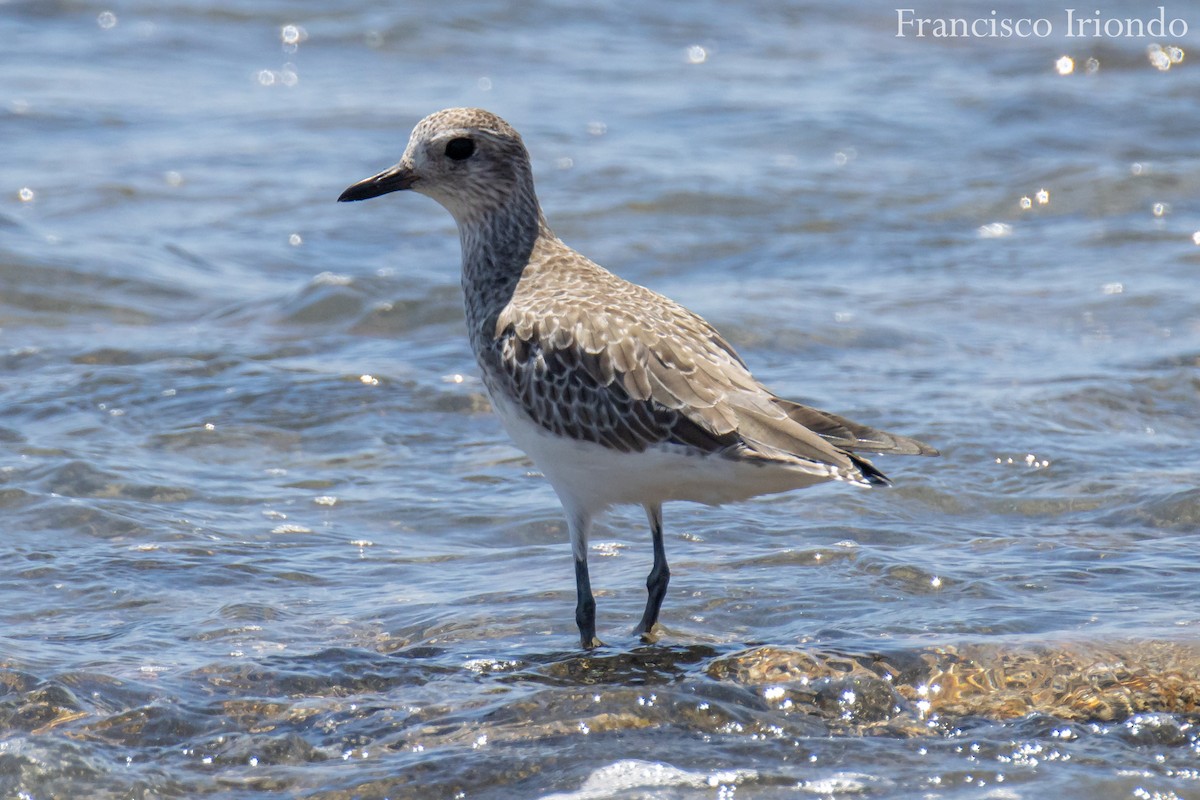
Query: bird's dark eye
(459,149)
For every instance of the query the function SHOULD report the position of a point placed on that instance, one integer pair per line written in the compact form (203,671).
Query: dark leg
(580,523)
(660,576)
(585,606)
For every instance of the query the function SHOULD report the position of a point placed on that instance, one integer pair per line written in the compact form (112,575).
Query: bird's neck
(496,248)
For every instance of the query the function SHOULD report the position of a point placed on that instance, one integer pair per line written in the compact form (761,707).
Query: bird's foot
(648,635)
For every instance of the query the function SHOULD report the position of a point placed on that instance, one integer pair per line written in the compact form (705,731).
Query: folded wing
(638,371)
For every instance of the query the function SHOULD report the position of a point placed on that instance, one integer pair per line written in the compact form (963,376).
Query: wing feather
(635,370)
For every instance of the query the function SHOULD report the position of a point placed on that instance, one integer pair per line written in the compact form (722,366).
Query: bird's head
(467,159)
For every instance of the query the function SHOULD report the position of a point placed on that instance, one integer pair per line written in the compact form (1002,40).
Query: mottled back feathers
(625,367)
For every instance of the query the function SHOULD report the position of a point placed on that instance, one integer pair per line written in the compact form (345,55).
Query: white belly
(591,477)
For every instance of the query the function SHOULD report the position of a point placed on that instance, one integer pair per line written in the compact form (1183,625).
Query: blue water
(264,536)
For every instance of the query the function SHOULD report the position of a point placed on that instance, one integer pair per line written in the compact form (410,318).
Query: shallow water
(264,536)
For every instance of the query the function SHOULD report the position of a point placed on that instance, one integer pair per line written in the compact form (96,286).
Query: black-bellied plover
(618,394)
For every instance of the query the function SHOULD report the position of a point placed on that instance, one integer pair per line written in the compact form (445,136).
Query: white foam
(635,774)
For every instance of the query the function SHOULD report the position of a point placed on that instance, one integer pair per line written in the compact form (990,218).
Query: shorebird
(618,394)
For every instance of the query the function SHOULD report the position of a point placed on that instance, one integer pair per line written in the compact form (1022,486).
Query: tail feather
(869,472)
(849,435)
